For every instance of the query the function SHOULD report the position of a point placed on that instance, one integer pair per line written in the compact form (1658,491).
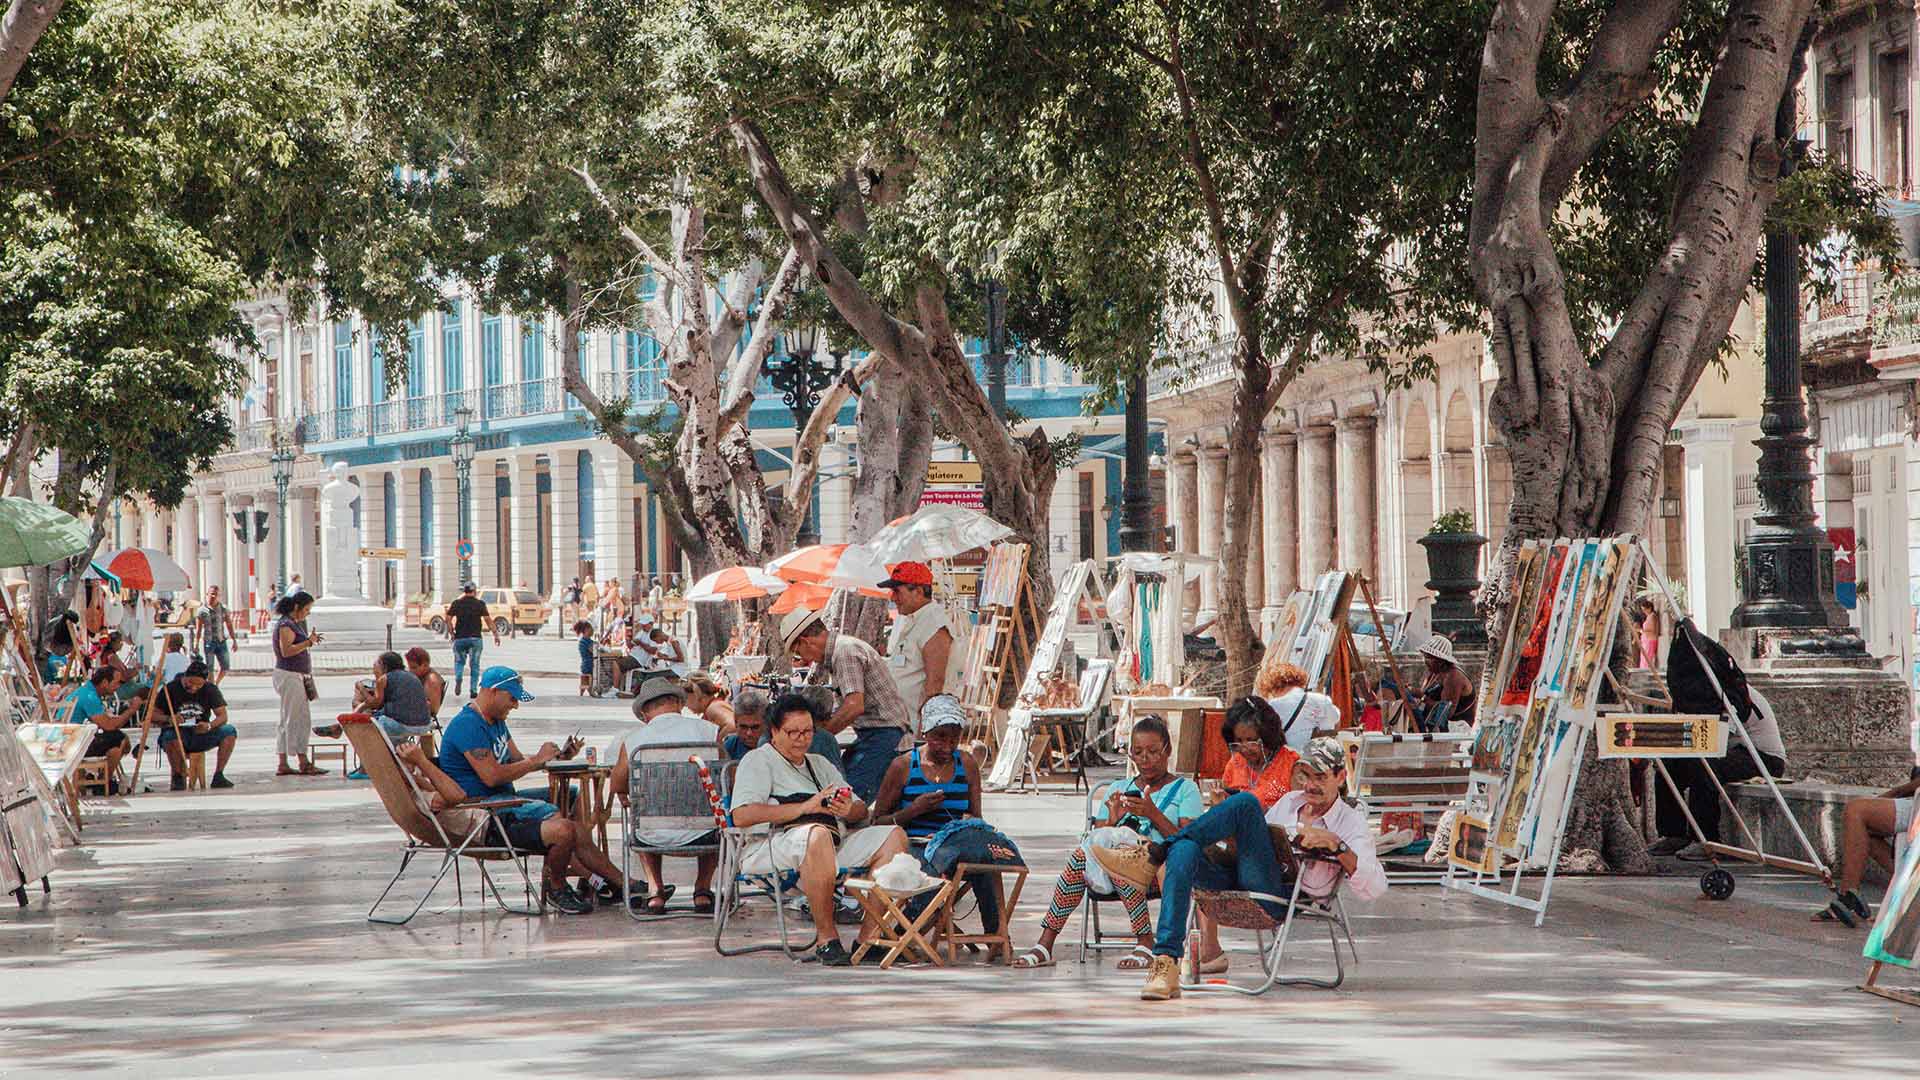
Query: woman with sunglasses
(1261,761)
(1152,803)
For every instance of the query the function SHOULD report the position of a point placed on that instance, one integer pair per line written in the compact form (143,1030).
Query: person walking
(292,676)
(470,619)
(215,624)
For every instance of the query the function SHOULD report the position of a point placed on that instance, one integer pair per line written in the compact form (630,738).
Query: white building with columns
(549,499)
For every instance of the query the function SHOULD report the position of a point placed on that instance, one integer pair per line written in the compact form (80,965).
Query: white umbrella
(842,566)
(735,583)
(935,531)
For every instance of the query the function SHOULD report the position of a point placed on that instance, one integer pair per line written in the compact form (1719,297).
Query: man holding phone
(479,754)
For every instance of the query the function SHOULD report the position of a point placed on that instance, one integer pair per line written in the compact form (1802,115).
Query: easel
(1871,986)
(1000,646)
(22,655)
(1010,761)
(1562,696)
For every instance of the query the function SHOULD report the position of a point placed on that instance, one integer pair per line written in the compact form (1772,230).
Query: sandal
(703,901)
(1140,959)
(657,904)
(1037,957)
(285,770)
(1844,908)
(310,769)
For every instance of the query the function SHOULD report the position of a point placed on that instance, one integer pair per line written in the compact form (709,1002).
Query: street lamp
(282,459)
(462,447)
(800,378)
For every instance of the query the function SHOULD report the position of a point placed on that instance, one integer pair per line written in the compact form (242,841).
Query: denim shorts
(199,744)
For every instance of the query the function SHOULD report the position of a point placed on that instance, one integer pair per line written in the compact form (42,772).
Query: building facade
(549,499)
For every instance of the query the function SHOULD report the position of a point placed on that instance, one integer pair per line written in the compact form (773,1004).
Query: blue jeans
(466,652)
(1241,819)
(867,759)
(217,654)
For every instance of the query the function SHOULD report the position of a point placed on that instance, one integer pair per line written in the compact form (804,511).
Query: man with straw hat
(870,702)
(1445,685)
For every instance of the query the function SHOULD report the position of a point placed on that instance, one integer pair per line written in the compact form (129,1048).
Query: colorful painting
(1470,849)
(1602,621)
(1519,685)
(1521,771)
(1895,937)
(1567,605)
(1504,647)
(1639,735)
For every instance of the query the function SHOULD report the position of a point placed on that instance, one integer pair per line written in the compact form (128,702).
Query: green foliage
(1453,521)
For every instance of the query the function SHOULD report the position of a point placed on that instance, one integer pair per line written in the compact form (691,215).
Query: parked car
(512,609)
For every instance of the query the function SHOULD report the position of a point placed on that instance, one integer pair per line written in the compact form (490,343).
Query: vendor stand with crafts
(1147,608)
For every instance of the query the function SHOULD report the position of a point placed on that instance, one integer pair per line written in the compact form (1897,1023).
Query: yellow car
(511,609)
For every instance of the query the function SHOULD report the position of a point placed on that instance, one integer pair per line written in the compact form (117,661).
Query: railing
(1193,369)
(1895,322)
(252,437)
(643,386)
(1844,318)
(429,411)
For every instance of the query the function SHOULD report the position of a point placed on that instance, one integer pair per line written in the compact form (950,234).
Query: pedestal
(336,615)
(1845,720)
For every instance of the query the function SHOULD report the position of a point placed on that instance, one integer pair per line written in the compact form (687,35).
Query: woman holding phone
(293,681)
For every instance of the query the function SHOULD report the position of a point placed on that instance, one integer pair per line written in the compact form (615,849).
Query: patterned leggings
(1073,885)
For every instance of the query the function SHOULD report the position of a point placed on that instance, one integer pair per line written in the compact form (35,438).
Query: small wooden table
(900,934)
(592,806)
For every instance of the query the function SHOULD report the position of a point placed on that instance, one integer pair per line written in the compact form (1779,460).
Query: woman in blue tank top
(934,784)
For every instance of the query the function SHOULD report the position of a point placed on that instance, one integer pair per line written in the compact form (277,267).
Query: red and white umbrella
(147,569)
(815,597)
(841,566)
(735,583)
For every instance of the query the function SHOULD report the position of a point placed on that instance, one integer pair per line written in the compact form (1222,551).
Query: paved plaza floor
(223,934)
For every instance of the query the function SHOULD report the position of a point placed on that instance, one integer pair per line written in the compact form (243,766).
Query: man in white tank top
(920,653)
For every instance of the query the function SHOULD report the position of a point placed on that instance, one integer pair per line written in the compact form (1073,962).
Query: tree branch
(20,30)
(746,371)
(645,250)
(1615,79)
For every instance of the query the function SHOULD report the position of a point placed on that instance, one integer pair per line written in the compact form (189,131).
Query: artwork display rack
(1000,646)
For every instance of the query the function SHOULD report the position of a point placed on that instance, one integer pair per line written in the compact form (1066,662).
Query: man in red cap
(920,652)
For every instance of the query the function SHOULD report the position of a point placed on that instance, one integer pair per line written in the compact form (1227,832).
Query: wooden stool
(197,771)
(996,937)
(895,931)
(89,774)
(328,750)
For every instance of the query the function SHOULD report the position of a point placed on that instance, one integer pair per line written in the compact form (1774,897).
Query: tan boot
(1163,979)
(1129,864)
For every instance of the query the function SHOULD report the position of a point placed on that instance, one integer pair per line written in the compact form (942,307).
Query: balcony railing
(1193,369)
(430,411)
(641,386)
(1844,319)
(1895,323)
(252,438)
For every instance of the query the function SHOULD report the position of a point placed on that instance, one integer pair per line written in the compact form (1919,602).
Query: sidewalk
(223,934)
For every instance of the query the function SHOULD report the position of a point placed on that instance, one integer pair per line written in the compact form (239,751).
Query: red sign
(955,496)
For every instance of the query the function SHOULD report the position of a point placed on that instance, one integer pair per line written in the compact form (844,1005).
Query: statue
(342,537)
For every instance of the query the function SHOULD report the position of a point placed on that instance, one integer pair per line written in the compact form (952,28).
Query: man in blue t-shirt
(478,753)
(110,736)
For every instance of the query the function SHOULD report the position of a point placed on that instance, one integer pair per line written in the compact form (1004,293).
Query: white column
(373,534)
(1316,504)
(1183,496)
(1359,516)
(1279,511)
(446,530)
(186,544)
(1213,504)
(1708,526)
(565,550)
(613,552)
(526,520)
(302,517)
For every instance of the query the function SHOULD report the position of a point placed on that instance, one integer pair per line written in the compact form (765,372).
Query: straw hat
(794,624)
(1439,648)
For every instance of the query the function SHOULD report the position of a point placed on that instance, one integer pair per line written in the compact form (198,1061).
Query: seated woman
(1154,804)
(803,806)
(934,784)
(1261,761)
(1301,711)
(707,699)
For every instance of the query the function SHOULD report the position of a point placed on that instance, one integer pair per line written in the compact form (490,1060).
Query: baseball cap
(469,587)
(793,624)
(942,710)
(658,687)
(502,677)
(1324,756)
(909,573)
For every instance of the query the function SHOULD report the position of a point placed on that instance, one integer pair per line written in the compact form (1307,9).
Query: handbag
(313,692)
(968,840)
(821,818)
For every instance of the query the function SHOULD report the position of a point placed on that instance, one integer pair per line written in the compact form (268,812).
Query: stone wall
(1819,809)
(1841,725)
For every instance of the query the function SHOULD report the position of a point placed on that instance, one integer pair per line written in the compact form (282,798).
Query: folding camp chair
(1060,738)
(732,887)
(1092,936)
(486,842)
(664,793)
(1248,910)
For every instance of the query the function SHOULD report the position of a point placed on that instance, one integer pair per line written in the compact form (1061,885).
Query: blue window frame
(583,505)
(342,365)
(389,506)
(644,369)
(533,352)
(376,370)
(426,515)
(492,351)
(453,370)
(417,358)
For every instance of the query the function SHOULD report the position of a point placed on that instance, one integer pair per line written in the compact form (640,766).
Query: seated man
(750,728)
(1314,816)
(199,715)
(479,753)
(802,806)
(420,665)
(1874,827)
(660,707)
(110,741)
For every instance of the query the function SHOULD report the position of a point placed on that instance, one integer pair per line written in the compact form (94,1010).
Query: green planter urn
(1453,573)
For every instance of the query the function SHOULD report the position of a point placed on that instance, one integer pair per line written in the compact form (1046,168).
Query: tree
(20,30)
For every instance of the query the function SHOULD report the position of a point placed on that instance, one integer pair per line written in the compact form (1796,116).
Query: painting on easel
(1895,938)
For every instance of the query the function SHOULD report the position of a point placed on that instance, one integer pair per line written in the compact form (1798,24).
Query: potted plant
(1453,573)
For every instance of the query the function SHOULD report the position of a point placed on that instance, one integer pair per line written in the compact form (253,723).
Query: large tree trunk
(20,30)
(1585,433)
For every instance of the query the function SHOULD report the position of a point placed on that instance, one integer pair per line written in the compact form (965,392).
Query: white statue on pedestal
(342,606)
(342,536)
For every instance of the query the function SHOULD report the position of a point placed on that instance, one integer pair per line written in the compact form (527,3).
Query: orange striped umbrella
(735,583)
(843,566)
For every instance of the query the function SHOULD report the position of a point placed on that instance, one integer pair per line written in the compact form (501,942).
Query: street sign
(383,553)
(463,550)
(953,472)
(973,497)
(956,483)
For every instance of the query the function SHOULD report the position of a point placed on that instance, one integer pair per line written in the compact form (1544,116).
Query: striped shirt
(951,809)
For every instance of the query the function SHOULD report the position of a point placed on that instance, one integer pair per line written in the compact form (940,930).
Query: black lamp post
(1789,564)
(1136,494)
(461,446)
(282,459)
(800,377)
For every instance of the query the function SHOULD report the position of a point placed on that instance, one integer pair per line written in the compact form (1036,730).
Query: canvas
(1895,937)
(1471,849)
(1567,606)
(1602,621)
(1639,735)
(1521,771)
(1504,647)
(1526,666)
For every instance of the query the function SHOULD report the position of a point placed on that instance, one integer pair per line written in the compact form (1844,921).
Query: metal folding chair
(1248,910)
(1092,936)
(664,793)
